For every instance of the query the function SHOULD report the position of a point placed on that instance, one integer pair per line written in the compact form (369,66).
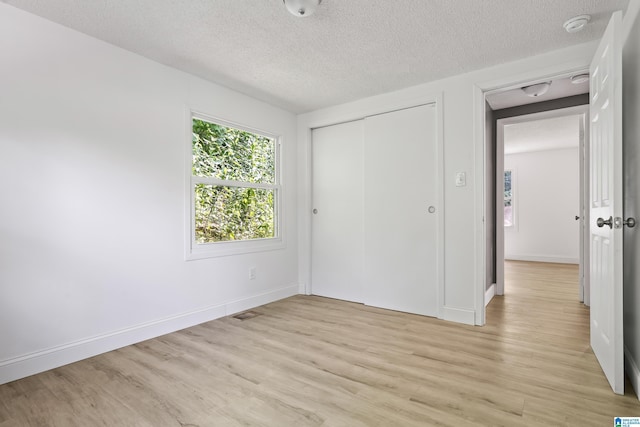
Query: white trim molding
(54,357)
(489,294)
(632,371)
(542,258)
(460,315)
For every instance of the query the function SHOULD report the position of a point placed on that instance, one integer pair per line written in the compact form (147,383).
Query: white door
(401,211)
(336,223)
(606,205)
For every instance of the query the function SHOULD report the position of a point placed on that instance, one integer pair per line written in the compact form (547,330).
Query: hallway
(541,315)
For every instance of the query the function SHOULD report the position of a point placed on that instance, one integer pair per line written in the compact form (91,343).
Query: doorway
(540,213)
(561,157)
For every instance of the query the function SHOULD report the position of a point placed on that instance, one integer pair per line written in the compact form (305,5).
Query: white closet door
(400,231)
(337,230)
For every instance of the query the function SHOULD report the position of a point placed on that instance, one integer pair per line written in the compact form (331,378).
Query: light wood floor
(310,361)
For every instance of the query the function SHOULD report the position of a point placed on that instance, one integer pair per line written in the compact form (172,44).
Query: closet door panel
(337,226)
(400,210)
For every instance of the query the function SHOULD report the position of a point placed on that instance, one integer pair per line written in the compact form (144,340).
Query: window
(234,189)
(508,199)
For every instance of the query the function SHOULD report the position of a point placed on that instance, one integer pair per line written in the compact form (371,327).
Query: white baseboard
(539,258)
(30,364)
(632,371)
(459,315)
(302,289)
(489,294)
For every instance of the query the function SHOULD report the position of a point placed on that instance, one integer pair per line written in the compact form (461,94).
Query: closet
(375,211)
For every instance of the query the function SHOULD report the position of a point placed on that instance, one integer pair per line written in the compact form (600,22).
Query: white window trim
(193,250)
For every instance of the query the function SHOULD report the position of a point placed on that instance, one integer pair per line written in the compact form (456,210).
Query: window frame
(194,250)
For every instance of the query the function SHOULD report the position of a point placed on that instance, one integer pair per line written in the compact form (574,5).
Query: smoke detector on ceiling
(579,78)
(576,23)
(302,8)
(537,89)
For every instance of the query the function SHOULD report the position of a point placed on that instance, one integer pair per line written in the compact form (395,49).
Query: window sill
(222,249)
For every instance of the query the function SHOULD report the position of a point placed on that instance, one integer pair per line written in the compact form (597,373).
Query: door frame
(329,117)
(582,111)
(479,91)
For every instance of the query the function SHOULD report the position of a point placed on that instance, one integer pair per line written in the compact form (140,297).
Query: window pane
(508,199)
(232,154)
(233,213)
(507,188)
(508,216)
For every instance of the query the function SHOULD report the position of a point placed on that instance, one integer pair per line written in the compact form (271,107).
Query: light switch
(461,179)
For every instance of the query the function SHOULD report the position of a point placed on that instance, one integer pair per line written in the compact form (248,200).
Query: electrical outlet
(252,273)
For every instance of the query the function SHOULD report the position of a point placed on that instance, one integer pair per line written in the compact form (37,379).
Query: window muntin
(235,189)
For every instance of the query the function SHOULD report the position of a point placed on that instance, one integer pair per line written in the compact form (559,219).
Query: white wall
(92,145)
(631,159)
(464,270)
(546,189)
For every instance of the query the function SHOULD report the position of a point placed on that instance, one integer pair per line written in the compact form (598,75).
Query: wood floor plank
(312,361)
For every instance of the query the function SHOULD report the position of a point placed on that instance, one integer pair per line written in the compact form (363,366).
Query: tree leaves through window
(235,199)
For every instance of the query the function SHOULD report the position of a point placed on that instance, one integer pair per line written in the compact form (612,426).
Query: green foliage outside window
(232,212)
(507,188)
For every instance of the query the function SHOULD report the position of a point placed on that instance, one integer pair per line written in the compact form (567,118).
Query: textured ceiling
(348,49)
(547,134)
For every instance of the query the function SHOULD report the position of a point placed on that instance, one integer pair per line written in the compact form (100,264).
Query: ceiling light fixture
(579,78)
(301,8)
(537,89)
(576,23)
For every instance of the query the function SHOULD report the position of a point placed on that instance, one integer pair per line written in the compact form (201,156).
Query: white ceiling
(349,49)
(539,135)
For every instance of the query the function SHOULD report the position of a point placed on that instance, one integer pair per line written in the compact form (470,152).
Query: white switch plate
(461,179)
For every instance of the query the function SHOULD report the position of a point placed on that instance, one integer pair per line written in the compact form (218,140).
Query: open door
(605,204)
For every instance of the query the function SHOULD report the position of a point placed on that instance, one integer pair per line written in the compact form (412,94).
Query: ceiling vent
(580,78)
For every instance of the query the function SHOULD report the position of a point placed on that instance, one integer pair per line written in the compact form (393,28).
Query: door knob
(601,222)
(577,217)
(630,222)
